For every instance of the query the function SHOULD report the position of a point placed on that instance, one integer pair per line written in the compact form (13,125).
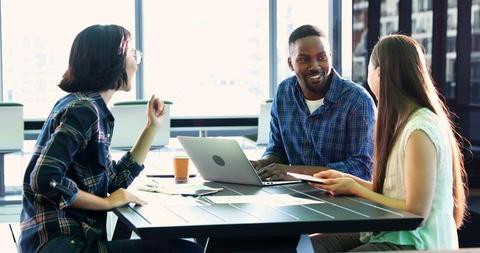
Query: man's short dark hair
(305,31)
(97,60)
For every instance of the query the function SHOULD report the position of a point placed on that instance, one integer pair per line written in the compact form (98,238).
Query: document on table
(268,200)
(190,189)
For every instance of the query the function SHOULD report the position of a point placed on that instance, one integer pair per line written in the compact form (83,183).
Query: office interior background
(218,60)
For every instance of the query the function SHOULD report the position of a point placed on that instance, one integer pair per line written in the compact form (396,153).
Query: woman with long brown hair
(418,164)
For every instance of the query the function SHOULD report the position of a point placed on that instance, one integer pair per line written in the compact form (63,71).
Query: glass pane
(388,17)
(292,14)
(359,41)
(474,123)
(475,56)
(206,61)
(451,49)
(37,36)
(347,39)
(15,166)
(422,16)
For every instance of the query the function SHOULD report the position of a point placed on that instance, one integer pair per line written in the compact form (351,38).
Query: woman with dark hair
(418,165)
(71,181)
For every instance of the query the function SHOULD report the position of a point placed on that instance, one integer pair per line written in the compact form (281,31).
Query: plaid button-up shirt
(71,153)
(338,135)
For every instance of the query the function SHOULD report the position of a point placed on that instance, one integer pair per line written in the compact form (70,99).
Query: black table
(244,227)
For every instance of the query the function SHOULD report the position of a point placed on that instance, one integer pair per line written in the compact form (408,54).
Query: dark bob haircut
(97,60)
(305,31)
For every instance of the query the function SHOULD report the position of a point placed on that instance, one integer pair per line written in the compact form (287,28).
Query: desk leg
(279,244)
(121,231)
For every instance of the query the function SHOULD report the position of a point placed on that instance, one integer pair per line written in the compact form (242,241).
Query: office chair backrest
(11,126)
(264,117)
(130,118)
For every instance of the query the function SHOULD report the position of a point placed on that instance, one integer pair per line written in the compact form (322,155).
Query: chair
(264,117)
(130,118)
(11,128)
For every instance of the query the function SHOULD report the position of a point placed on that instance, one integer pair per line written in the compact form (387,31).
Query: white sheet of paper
(172,189)
(268,200)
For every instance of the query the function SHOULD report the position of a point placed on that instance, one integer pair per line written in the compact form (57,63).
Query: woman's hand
(155,112)
(122,197)
(329,174)
(336,182)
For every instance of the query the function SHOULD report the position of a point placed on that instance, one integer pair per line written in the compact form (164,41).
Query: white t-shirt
(313,104)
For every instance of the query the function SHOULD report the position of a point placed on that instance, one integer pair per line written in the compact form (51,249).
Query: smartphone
(200,192)
(306,178)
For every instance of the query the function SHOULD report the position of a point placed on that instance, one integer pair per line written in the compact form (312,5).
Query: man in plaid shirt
(319,120)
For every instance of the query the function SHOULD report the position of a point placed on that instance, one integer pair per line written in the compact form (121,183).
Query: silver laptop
(223,160)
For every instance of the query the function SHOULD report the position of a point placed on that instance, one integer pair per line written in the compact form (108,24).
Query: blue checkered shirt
(338,135)
(71,153)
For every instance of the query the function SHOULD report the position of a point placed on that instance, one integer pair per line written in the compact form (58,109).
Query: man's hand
(259,163)
(122,197)
(274,171)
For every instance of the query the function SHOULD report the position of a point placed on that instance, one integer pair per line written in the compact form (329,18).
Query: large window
(292,14)
(36,40)
(210,58)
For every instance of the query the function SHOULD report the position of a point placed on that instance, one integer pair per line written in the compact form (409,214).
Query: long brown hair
(406,85)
